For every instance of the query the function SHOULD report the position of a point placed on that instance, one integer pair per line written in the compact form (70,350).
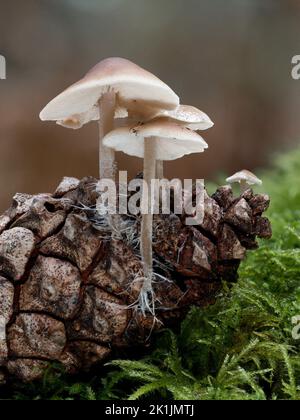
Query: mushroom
(162,140)
(115,87)
(245,179)
(187,116)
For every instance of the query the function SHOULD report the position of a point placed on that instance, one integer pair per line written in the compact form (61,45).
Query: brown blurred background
(230,58)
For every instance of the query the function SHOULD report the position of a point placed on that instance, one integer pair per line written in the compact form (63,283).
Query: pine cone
(68,287)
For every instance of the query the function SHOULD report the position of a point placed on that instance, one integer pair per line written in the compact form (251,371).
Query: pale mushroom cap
(245,176)
(135,88)
(189,116)
(172,140)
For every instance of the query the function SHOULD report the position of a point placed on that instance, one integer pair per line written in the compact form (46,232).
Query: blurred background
(230,58)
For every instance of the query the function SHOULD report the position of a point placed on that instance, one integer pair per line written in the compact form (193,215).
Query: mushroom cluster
(138,115)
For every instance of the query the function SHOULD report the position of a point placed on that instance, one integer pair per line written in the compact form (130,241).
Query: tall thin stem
(147,219)
(160,169)
(107,105)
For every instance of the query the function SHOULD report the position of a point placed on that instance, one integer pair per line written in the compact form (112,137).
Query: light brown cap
(135,88)
(244,176)
(189,116)
(172,140)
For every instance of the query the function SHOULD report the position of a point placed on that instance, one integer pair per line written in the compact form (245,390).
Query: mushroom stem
(147,219)
(244,186)
(107,105)
(160,169)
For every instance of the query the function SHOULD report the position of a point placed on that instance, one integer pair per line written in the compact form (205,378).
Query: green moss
(240,348)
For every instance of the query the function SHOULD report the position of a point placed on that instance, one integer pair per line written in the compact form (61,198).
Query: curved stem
(160,169)
(107,104)
(147,219)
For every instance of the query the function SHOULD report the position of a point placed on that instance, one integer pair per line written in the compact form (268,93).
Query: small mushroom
(187,116)
(245,179)
(115,87)
(162,140)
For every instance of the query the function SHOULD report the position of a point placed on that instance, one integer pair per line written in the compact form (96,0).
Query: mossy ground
(240,348)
